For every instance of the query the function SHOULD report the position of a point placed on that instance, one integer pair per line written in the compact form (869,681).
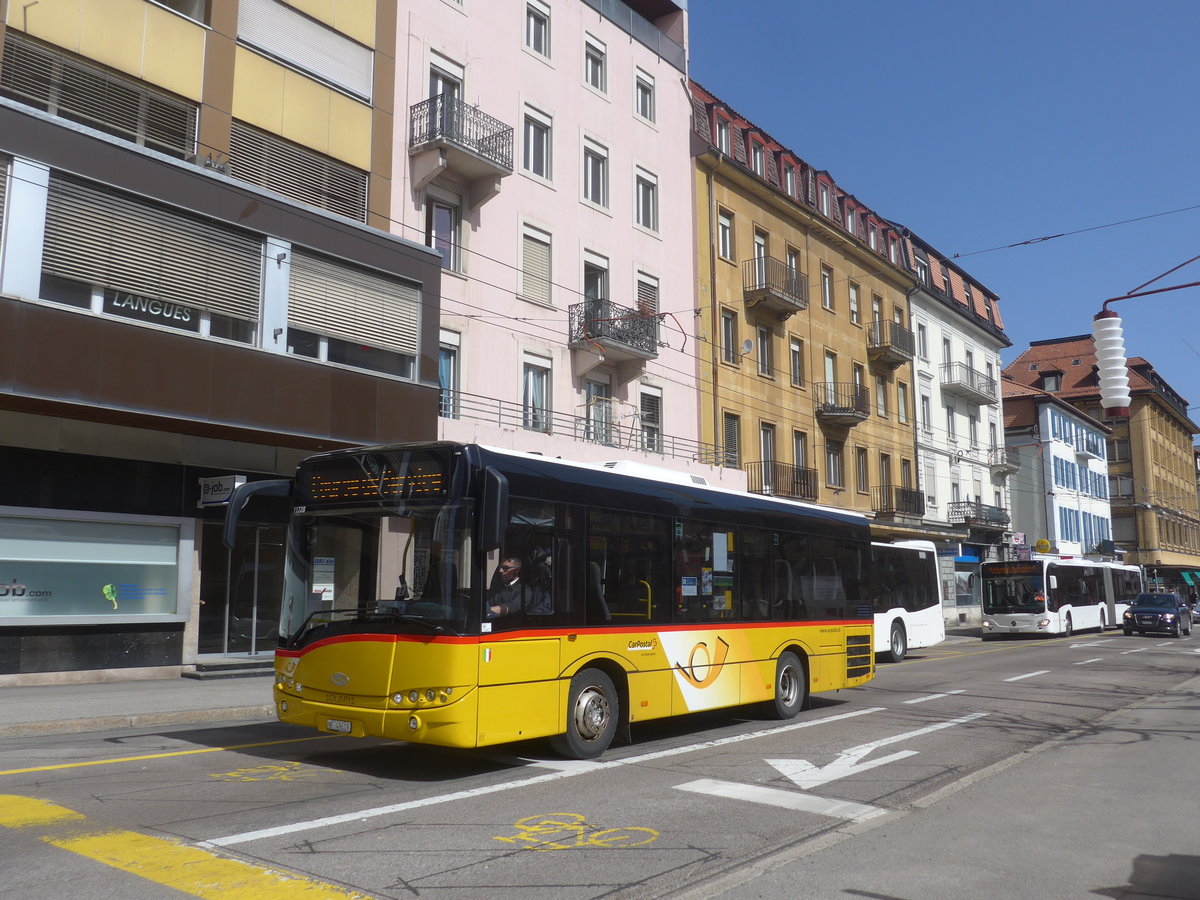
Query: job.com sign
(217,491)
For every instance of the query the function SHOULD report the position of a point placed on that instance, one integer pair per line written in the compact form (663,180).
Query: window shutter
(271,162)
(651,409)
(647,296)
(113,240)
(353,304)
(535,274)
(3,186)
(306,44)
(51,80)
(732,451)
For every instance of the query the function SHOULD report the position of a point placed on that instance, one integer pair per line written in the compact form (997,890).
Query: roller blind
(535,259)
(110,239)
(3,188)
(353,304)
(306,44)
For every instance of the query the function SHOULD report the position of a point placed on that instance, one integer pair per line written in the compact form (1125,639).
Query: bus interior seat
(597,607)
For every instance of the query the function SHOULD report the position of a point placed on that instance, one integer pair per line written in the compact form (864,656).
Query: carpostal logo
(643,644)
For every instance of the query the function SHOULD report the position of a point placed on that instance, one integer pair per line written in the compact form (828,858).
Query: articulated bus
(461,596)
(906,593)
(1052,595)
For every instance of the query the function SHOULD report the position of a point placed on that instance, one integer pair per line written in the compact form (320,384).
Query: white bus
(1050,595)
(906,593)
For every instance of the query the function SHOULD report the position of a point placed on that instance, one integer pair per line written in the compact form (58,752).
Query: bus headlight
(413,723)
(398,699)
(1044,623)
(430,695)
(413,696)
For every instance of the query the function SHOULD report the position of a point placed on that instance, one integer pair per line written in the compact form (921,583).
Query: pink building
(544,152)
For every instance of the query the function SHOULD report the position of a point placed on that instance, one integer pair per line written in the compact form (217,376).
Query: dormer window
(1051,381)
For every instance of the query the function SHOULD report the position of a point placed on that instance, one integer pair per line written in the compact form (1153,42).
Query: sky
(981,125)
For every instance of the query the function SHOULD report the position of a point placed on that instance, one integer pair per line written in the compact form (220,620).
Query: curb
(139,720)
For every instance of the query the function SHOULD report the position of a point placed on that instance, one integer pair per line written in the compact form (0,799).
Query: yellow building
(805,360)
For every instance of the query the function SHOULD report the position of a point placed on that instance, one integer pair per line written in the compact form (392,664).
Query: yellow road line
(125,759)
(170,862)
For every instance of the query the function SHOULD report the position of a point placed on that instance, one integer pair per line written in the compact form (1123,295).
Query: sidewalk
(75,708)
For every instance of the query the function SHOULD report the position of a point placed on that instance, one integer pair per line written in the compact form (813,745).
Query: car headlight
(1168,617)
(1128,614)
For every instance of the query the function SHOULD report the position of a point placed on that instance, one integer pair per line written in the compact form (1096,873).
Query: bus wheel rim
(591,714)
(788,686)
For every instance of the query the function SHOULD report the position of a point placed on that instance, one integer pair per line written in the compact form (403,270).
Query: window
(535,265)
(893,251)
(885,470)
(947,355)
(955,492)
(537,27)
(729,329)
(951,429)
(922,340)
(723,135)
(766,450)
(826,287)
(760,257)
(992,435)
(647,200)
(647,303)
(595,277)
(650,419)
(873,236)
(725,234)
(881,406)
(535,393)
(853,302)
(973,429)
(789,179)
(732,455)
(850,219)
(902,402)
(598,399)
(833,464)
(442,229)
(448,374)
(906,474)
(876,307)
(862,475)
(595,173)
(796,360)
(765,365)
(595,64)
(824,195)
(643,95)
(800,449)
(758,159)
(536,158)
(795,285)
(926,413)
(1051,381)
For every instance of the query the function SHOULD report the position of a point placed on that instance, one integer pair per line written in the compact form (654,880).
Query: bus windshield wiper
(432,627)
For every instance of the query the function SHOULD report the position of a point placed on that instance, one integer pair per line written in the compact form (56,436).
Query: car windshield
(1156,600)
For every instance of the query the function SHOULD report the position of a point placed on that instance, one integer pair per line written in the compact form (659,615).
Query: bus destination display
(374,478)
(1012,569)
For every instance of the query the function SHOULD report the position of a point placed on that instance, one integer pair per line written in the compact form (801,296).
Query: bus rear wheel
(791,686)
(898,643)
(592,715)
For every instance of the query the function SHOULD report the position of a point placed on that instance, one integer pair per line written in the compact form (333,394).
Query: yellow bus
(462,596)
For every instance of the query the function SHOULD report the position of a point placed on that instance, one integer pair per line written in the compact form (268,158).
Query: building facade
(541,148)
(960,441)
(191,293)
(1060,491)
(1150,455)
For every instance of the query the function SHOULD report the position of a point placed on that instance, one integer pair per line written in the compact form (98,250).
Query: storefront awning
(1187,576)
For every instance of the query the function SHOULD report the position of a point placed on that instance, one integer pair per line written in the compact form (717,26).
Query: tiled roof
(1021,402)
(1075,358)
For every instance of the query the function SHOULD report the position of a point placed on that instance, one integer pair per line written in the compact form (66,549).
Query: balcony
(781,480)
(890,344)
(962,381)
(978,515)
(889,500)
(1004,461)
(770,285)
(616,334)
(1089,445)
(841,404)
(449,135)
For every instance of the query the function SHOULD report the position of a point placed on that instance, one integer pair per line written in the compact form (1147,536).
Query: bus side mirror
(495,509)
(274,487)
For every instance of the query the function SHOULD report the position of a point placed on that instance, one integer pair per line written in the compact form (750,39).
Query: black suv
(1158,612)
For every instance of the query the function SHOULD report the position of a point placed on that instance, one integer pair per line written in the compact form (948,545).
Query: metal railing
(1089,442)
(781,480)
(837,398)
(447,119)
(594,320)
(618,430)
(883,334)
(972,512)
(765,274)
(641,30)
(957,373)
(893,500)
(1004,456)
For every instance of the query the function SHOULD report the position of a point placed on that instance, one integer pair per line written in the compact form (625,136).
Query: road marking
(165,861)
(850,762)
(841,809)
(125,759)
(1029,675)
(1084,662)
(1138,650)
(936,696)
(1091,643)
(327,821)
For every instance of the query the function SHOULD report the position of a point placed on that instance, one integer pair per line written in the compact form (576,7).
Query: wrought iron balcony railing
(972,512)
(450,121)
(771,284)
(888,499)
(890,343)
(618,330)
(844,404)
(781,480)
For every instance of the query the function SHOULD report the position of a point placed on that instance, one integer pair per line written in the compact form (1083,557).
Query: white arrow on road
(807,776)
(1079,644)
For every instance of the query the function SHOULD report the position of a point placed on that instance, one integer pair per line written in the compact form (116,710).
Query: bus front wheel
(898,644)
(791,686)
(592,715)
(1067,627)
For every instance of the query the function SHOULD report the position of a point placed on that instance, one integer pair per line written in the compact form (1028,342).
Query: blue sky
(981,125)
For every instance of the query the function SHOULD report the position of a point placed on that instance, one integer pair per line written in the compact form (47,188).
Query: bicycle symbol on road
(565,831)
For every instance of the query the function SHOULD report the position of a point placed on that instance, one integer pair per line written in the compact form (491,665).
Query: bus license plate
(341,726)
